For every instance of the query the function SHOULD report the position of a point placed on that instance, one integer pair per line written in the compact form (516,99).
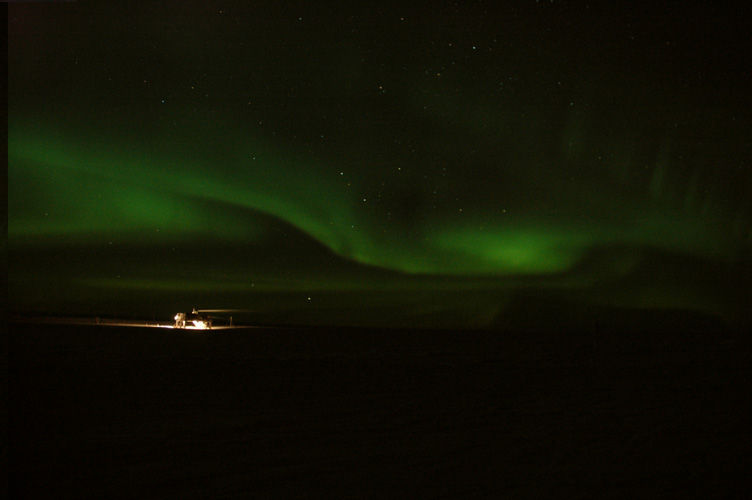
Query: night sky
(361,163)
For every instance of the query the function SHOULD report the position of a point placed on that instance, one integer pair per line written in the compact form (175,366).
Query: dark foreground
(108,412)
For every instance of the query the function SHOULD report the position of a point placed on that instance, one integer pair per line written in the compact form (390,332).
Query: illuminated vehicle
(199,321)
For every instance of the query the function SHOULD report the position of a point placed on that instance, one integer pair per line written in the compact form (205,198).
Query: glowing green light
(88,189)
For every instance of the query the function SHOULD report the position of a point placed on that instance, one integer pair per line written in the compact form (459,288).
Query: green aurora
(430,187)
